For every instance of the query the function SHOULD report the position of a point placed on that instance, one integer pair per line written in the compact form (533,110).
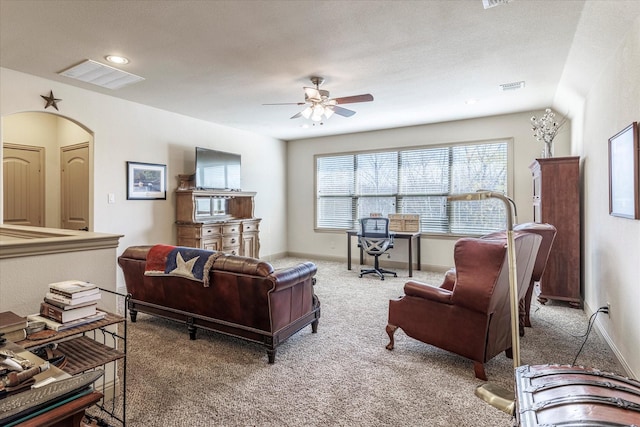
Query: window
(415,181)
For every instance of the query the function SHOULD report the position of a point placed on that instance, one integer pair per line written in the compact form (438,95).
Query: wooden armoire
(556,201)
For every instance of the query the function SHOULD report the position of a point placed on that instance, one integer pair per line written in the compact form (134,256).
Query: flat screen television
(217,170)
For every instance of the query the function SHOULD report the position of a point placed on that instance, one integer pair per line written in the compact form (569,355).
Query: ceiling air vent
(101,75)
(493,3)
(511,86)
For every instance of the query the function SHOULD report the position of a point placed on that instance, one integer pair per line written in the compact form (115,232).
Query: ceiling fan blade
(342,111)
(287,103)
(353,99)
(296,115)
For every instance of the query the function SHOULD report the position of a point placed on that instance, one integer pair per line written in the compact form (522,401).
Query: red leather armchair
(469,316)
(548,234)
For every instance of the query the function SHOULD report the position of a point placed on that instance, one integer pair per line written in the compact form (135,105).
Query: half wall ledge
(19,241)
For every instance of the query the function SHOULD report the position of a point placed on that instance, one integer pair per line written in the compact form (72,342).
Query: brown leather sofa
(469,315)
(246,298)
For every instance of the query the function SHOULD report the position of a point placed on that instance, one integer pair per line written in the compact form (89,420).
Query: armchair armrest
(449,279)
(426,291)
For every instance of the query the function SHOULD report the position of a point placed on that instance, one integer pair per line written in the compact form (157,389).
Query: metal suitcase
(572,396)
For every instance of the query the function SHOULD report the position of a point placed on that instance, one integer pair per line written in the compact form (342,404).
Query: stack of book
(68,304)
(12,326)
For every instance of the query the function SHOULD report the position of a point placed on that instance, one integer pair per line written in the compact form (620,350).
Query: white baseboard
(607,338)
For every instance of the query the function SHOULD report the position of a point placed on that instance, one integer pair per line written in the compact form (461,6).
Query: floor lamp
(493,394)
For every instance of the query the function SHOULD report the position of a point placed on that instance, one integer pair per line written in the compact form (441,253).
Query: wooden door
(74,191)
(23,185)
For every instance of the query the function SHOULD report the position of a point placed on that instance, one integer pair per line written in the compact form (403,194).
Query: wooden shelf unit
(556,201)
(91,346)
(218,220)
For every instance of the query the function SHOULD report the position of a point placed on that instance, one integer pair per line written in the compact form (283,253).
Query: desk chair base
(377,270)
(380,273)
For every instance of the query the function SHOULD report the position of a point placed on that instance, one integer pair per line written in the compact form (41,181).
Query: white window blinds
(415,181)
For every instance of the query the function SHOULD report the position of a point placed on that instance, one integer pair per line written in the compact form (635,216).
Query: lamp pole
(492,394)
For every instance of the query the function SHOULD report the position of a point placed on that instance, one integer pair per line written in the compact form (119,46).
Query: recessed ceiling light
(114,59)
(471,101)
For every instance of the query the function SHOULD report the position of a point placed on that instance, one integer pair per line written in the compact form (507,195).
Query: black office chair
(375,239)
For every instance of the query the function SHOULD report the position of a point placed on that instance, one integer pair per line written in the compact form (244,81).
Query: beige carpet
(341,376)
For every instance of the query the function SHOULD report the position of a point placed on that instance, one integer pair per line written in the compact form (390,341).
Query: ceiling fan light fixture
(312,94)
(318,111)
(328,111)
(306,113)
(319,105)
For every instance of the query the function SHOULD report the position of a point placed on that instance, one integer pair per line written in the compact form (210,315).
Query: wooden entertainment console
(217,220)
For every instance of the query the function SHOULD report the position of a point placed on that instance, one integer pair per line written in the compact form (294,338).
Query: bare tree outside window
(415,181)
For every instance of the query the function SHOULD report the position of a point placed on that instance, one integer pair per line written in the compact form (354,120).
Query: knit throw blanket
(189,263)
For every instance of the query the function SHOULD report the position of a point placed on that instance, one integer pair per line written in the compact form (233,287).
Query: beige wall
(611,245)
(125,131)
(437,253)
(25,279)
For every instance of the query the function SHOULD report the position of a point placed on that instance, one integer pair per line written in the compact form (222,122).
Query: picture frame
(146,181)
(624,175)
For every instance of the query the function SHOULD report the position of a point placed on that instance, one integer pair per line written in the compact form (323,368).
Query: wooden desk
(411,237)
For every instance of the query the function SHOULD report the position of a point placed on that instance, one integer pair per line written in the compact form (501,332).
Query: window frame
(509,180)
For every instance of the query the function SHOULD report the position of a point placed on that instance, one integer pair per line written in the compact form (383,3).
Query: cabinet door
(250,238)
(211,245)
(250,245)
(189,236)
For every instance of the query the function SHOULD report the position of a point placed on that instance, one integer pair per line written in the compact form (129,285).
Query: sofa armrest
(291,276)
(136,252)
(426,291)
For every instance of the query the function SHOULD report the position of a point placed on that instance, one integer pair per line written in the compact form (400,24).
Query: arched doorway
(52,188)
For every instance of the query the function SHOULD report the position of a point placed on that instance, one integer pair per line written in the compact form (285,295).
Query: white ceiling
(220,61)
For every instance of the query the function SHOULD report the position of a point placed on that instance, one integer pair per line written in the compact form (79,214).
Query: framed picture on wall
(624,177)
(146,181)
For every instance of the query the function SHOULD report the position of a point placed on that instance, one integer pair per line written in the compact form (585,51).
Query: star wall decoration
(51,101)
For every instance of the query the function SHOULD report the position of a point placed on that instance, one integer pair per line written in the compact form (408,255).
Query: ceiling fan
(320,105)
